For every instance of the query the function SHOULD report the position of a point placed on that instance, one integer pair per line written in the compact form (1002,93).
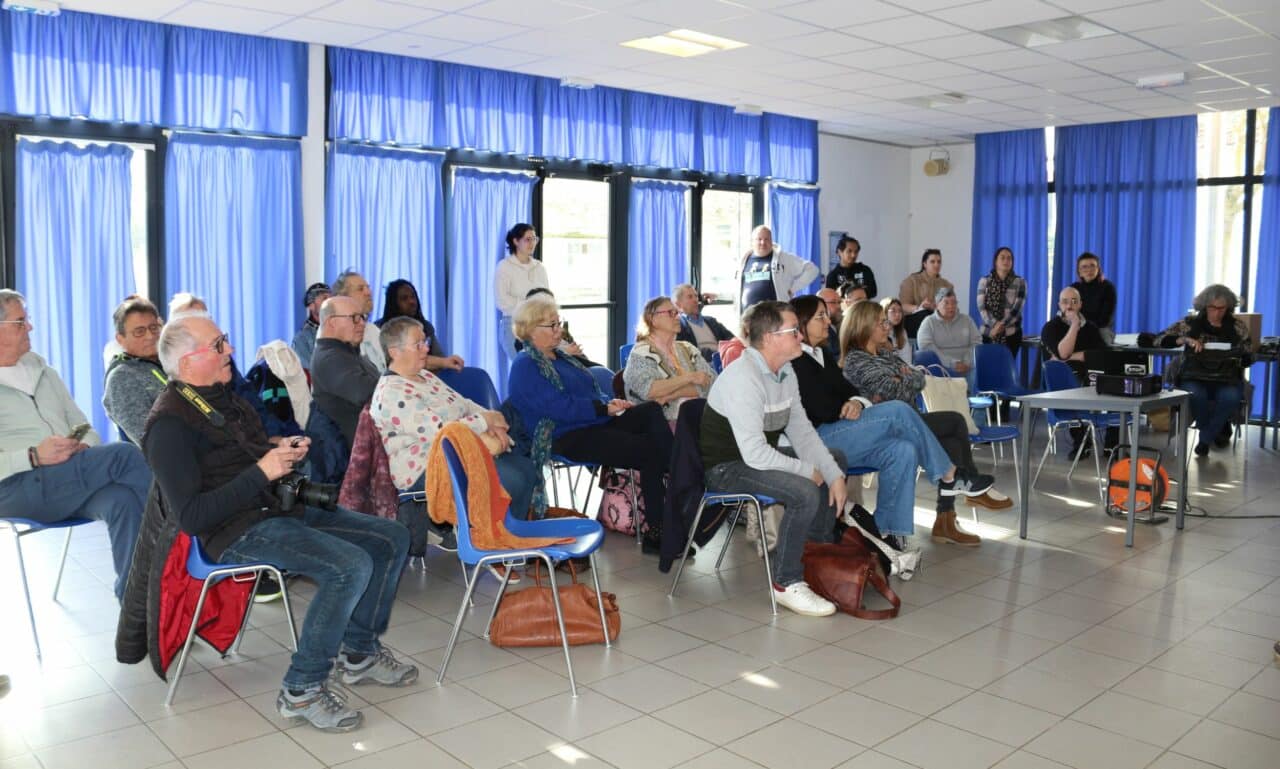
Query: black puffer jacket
(140,607)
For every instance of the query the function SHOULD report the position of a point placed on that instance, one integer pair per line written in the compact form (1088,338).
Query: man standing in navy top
(768,273)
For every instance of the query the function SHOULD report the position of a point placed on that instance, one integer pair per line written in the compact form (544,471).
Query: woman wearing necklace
(1001,294)
(662,368)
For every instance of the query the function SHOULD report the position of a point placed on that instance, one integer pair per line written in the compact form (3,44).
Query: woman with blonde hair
(661,368)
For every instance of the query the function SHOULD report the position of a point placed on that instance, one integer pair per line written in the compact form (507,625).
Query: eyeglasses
(672,312)
(356,317)
(23,321)
(886,323)
(217,346)
(553,326)
(419,346)
(141,331)
(793,331)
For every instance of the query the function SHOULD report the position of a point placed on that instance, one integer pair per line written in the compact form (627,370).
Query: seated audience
(342,380)
(767,273)
(835,314)
(1069,334)
(567,344)
(1001,294)
(410,405)
(850,270)
(950,333)
(918,290)
(567,414)
(1097,295)
(134,377)
(352,284)
(219,479)
(402,302)
(661,368)
(888,436)
(703,331)
(1218,389)
(51,464)
(851,294)
(879,375)
(897,340)
(304,342)
(751,405)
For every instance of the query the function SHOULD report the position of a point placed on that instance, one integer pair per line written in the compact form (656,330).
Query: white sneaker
(906,563)
(800,598)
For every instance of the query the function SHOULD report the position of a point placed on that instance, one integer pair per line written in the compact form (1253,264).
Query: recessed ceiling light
(1164,80)
(684,43)
(1051,31)
(936,100)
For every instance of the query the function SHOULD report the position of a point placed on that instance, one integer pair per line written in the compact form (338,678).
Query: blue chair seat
(995,433)
(588,534)
(710,497)
(860,470)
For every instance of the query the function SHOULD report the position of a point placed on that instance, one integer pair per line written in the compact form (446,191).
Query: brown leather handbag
(841,571)
(528,617)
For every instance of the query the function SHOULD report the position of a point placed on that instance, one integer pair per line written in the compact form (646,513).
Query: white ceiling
(847,63)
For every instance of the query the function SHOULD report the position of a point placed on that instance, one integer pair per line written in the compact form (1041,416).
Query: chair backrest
(473,384)
(716,364)
(458,480)
(604,378)
(1057,375)
(624,352)
(926,358)
(994,369)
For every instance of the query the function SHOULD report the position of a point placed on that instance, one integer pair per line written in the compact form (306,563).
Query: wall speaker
(938,164)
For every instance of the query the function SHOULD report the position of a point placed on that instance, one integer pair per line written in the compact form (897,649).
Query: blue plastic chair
(200,566)
(716,364)
(624,352)
(996,375)
(604,378)
(1057,375)
(474,384)
(22,527)
(758,503)
(586,544)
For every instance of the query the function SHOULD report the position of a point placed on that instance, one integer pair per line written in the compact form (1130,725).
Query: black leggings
(636,439)
(952,432)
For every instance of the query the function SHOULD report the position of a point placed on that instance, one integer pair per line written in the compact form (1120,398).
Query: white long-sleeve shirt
(514,280)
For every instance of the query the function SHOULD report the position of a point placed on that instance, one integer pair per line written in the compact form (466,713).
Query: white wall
(941,215)
(313,185)
(866,193)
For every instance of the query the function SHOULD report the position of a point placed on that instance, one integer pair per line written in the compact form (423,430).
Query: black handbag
(1220,366)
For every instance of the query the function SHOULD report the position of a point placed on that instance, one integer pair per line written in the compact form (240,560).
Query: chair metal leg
(457,623)
(288,608)
(764,545)
(244,621)
(637,520)
(684,553)
(564,636)
(728,534)
(1089,439)
(502,590)
(555,486)
(1047,447)
(595,579)
(62,562)
(176,675)
(1017,472)
(26,593)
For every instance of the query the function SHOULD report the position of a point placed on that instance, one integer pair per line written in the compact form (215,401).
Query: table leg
(1184,418)
(1024,460)
(1267,400)
(1133,477)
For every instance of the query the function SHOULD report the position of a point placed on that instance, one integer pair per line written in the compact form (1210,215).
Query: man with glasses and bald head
(342,380)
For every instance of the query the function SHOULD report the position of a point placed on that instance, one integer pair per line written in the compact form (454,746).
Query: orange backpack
(1153,481)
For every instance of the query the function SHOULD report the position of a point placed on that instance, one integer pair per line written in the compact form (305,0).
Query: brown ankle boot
(945,529)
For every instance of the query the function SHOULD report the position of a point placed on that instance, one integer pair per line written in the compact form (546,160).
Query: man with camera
(228,486)
(51,466)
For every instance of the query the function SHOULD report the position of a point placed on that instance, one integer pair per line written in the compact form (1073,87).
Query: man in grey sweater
(950,333)
(753,403)
(134,376)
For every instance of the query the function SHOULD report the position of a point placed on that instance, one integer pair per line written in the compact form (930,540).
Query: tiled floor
(1066,650)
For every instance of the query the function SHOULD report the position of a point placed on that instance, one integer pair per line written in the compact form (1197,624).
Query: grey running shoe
(380,668)
(319,707)
(966,485)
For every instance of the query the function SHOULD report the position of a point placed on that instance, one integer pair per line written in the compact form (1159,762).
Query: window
(1230,152)
(726,235)
(575,250)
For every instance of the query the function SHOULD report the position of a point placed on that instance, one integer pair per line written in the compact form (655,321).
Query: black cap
(312,291)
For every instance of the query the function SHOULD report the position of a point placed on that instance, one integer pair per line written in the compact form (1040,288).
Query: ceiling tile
(311,30)
(1213,30)
(405,44)
(1045,74)
(903,91)
(488,56)
(991,14)
(210,16)
(1109,45)
(1003,61)
(928,6)
(287,7)
(147,10)
(968,44)
(760,28)
(804,69)
(444,6)
(933,70)
(1137,62)
(1260,45)
(967,83)
(374,13)
(1089,6)
(468,29)
(821,44)
(685,14)
(880,59)
(834,14)
(907,29)
(1160,13)
(548,12)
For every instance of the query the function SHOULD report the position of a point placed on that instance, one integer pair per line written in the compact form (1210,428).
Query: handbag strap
(537,572)
(877,580)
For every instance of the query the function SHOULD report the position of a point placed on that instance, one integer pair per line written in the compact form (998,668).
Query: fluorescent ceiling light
(38,7)
(935,100)
(748,109)
(684,43)
(1164,80)
(581,83)
(1051,31)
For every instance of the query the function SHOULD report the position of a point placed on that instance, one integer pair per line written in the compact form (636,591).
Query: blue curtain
(660,131)
(1011,208)
(386,220)
(83,65)
(121,70)
(233,233)
(1266,295)
(225,81)
(487,109)
(658,241)
(793,148)
(74,257)
(793,218)
(1127,192)
(382,98)
(730,143)
(578,124)
(484,206)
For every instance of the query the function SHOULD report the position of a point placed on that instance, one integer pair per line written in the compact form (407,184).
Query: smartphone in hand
(79,431)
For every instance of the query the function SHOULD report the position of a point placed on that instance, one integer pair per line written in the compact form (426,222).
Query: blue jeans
(106,483)
(1212,405)
(355,561)
(892,438)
